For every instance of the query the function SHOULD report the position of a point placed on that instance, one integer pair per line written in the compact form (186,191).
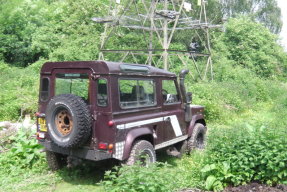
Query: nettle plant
(24,151)
(251,154)
(138,178)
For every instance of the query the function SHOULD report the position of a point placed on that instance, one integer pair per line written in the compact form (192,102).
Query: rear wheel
(198,138)
(142,153)
(55,161)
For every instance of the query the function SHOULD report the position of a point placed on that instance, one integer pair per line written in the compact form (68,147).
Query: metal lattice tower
(171,32)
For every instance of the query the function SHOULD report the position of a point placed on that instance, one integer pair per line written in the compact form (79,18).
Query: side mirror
(189,97)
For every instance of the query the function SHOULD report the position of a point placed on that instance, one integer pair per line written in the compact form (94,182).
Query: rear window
(72,83)
(136,93)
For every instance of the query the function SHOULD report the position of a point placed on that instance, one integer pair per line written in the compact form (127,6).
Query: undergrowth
(162,176)
(245,154)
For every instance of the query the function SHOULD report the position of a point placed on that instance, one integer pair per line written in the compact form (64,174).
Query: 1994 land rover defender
(100,110)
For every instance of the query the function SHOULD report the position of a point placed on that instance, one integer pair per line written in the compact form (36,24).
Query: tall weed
(245,154)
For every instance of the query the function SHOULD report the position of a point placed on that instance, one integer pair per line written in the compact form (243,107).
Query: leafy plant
(24,152)
(216,175)
(247,155)
(138,178)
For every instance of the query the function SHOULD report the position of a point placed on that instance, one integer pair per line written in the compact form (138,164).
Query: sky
(283,5)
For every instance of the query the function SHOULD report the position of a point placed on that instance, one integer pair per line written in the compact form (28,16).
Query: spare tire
(69,120)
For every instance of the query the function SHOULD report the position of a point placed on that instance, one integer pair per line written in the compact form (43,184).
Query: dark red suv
(99,110)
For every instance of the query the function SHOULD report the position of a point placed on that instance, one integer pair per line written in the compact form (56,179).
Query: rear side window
(102,93)
(169,92)
(72,83)
(136,93)
(44,95)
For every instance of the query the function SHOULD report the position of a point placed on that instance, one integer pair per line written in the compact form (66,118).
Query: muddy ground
(255,187)
(252,187)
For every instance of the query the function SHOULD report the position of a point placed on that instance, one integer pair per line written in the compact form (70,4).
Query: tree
(19,19)
(251,46)
(264,11)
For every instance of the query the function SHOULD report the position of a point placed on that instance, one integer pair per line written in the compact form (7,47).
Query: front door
(174,125)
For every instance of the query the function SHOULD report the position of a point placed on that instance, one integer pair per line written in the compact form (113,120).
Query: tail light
(106,146)
(103,146)
(111,146)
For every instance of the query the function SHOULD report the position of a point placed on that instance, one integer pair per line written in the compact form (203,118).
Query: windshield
(72,83)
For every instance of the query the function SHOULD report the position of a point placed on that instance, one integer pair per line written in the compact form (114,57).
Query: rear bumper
(84,152)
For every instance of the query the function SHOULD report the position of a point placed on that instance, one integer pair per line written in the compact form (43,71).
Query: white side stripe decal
(175,125)
(139,123)
(173,119)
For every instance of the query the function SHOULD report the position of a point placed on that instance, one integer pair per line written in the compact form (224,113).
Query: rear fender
(132,136)
(198,118)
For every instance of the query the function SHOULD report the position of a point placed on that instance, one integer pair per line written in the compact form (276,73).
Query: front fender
(196,118)
(131,136)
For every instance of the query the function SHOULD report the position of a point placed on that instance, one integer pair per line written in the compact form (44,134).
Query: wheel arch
(142,133)
(199,118)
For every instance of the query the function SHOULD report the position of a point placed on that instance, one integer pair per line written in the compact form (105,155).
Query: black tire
(69,120)
(142,152)
(55,161)
(197,139)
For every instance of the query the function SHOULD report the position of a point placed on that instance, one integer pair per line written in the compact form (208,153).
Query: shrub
(254,47)
(246,154)
(19,95)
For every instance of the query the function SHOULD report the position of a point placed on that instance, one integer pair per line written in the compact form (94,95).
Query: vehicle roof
(105,67)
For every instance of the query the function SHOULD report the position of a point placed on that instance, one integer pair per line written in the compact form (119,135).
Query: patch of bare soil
(256,187)
(252,187)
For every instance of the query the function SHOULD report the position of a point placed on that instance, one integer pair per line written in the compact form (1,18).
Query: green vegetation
(246,104)
(265,11)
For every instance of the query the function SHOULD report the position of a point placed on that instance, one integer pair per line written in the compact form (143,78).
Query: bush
(253,47)
(18,95)
(245,154)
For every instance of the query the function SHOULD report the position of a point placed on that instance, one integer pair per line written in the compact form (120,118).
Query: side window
(102,93)
(169,92)
(136,93)
(44,89)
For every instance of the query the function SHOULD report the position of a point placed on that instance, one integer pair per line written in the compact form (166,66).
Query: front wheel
(142,153)
(198,138)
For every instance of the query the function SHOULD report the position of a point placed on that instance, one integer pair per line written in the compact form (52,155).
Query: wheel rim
(64,122)
(145,158)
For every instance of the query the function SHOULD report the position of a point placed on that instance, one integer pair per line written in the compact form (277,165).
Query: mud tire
(198,138)
(55,161)
(142,152)
(79,121)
